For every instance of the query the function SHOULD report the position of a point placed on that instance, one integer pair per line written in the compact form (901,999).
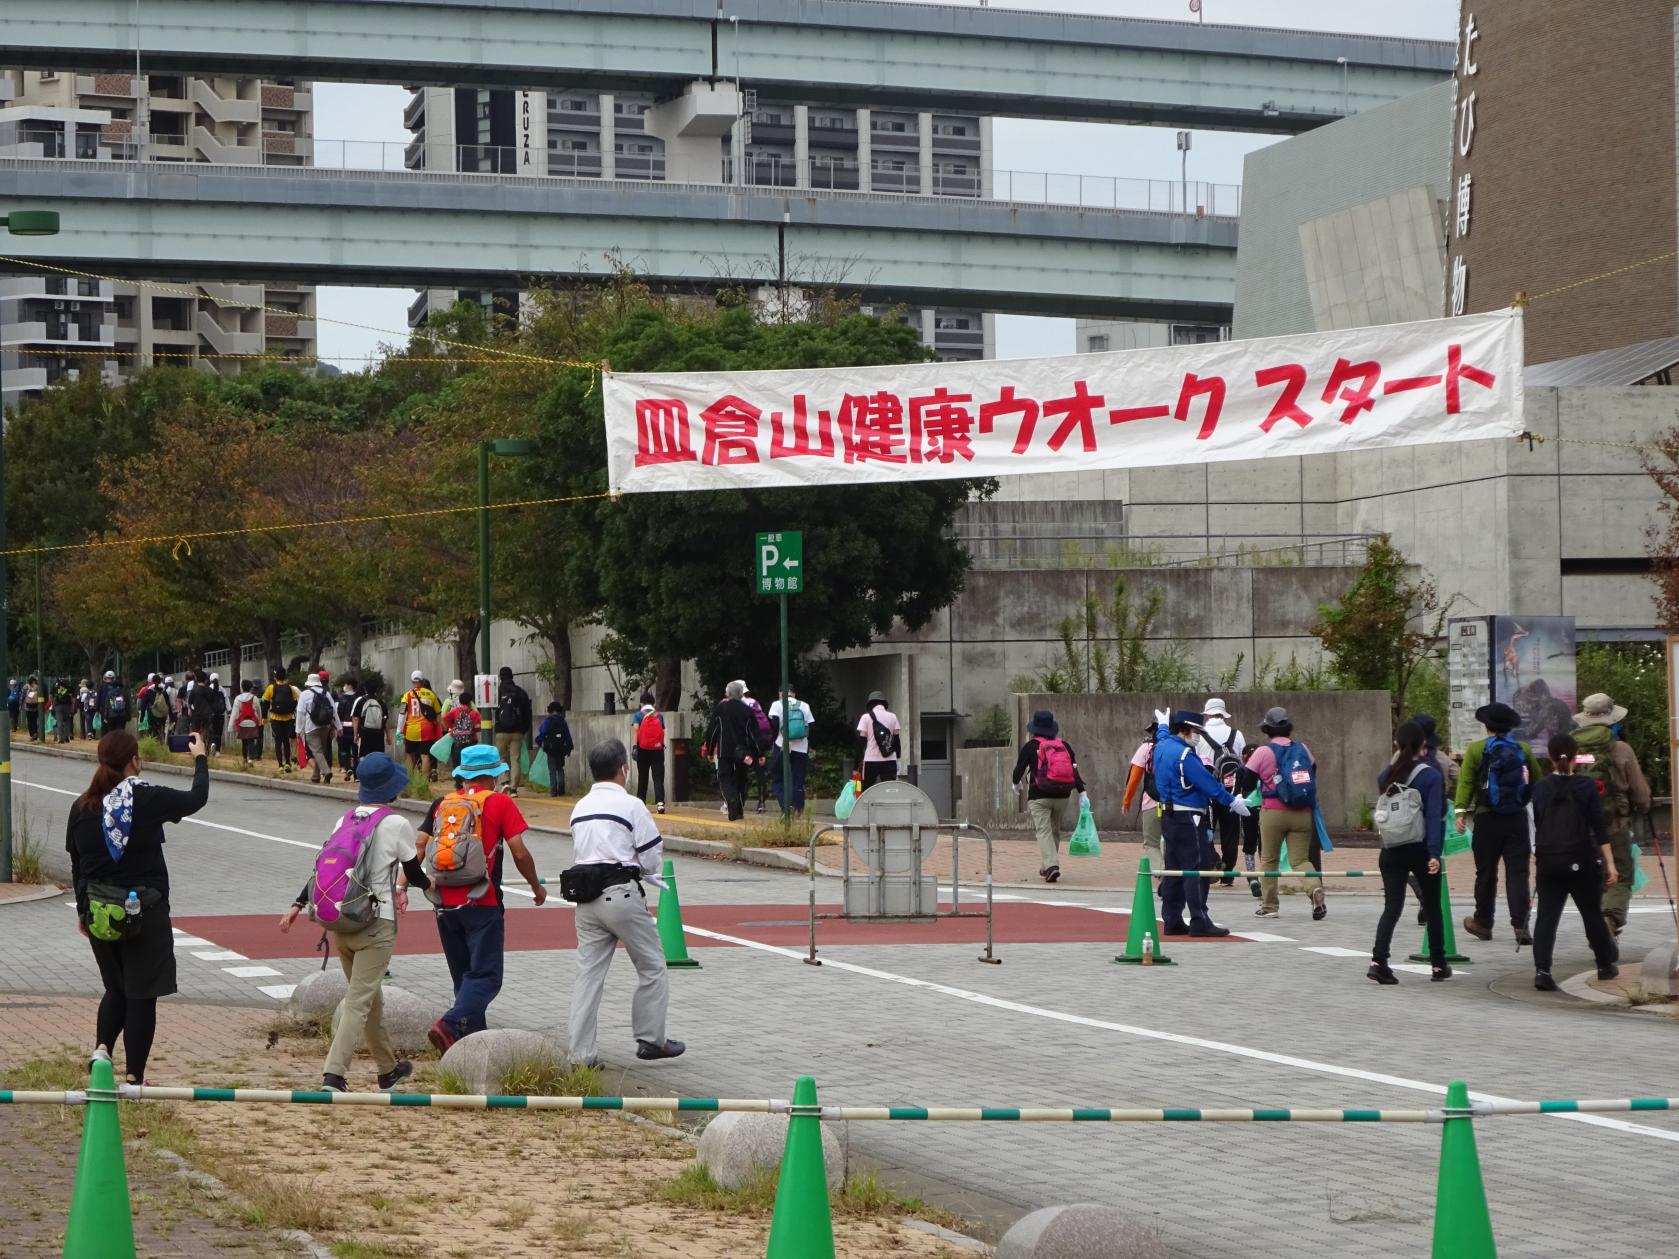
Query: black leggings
(1402,867)
(135,1019)
(1585,888)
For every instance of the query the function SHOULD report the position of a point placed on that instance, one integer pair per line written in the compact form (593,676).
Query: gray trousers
(619,915)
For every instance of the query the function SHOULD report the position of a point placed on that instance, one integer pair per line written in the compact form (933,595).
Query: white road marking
(186,941)
(250,972)
(220,955)
(1175,1038)
(1331,951)
(278,991)
(1264,937)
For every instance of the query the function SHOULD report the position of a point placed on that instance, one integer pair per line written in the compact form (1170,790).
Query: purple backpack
(340,896)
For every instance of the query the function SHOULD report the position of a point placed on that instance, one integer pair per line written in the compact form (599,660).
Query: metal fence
(1017,546)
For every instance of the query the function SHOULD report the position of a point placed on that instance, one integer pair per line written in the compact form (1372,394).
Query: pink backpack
(1055,775)
(341,897)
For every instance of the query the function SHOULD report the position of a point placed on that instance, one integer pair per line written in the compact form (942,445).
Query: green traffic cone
(101,1224)
(670,924)
(1448,932)
(1462,1226)
(1143,922)
(802,1227)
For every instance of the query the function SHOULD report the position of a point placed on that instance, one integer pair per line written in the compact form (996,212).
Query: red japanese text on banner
(1438,380)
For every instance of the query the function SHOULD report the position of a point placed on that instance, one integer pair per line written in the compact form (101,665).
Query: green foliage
(993,730)
(1384,627)
(1635,675)
(1107,647)
(1293,676)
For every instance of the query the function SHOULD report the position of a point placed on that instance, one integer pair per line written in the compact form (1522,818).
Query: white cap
(215,677)
(109,674)
(416,676)
(456,687)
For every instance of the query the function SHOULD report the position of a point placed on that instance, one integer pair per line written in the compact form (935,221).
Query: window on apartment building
(125,309)
(889,164)
(888,124)
(575,104)
(1195,334)
(87,325)
(87,288)
(49,76)
(953,323)
(1097,342)
(832,121)
(576,146)
(55,286)
(58,325)
(955,168)
(280,124)
(87,144)
(51,140)
(483,109)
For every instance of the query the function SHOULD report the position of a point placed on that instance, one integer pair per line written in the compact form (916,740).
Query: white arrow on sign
(789,562)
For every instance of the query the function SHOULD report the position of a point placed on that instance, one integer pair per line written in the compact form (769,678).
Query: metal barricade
(892,832)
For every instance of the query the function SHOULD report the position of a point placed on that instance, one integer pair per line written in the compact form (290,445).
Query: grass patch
(369,1250)
(417,789)
(860,1197)
(61,1071)
(791,833)
(530,1077)
(26,849)
(161,1125)
(264,1201)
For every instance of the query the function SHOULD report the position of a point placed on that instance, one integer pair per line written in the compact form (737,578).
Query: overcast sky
(356,112)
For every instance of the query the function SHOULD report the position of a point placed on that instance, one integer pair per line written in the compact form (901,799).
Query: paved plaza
(1280,1017)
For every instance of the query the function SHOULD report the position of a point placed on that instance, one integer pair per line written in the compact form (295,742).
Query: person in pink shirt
(1140,779)
(1278,821)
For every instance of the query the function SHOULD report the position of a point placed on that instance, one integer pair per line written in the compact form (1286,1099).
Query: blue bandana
(118,820)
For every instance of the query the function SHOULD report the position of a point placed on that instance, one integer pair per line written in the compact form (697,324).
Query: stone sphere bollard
(736,1143)
(1084,1230)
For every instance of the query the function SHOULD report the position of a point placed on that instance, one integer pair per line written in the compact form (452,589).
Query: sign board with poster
(1526,662)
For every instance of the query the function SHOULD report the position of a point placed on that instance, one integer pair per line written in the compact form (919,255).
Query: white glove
(1239,807)
(1161,718)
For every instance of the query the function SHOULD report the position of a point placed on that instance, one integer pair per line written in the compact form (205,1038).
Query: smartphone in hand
(179,742)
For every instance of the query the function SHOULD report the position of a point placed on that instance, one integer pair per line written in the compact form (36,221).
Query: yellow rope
(185,539)
(510,355)
(1604,275)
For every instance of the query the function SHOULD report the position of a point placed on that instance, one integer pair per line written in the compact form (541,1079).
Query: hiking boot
(1262,912)
(334,1083)
(1610,971)
(441,1036)
(1523,938)
(1542,980)
(648,1051)
(1382,973)
(396,1075)
(1476,929)
(1439,973)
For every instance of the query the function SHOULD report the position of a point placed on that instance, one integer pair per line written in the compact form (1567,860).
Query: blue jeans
(801,763)
(1188,845)
(472,938)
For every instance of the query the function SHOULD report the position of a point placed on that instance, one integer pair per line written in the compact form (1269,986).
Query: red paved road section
(530,929)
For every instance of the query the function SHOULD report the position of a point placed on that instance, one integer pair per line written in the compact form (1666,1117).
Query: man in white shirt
(318,736)
(614,835)
(880,763)
(1219,738)
(797,726)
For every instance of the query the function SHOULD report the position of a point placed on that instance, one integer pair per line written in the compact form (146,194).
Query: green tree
(1385,626)
(1633,674)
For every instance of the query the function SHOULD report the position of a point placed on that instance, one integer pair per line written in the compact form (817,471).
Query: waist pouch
(582,884)
(106,919)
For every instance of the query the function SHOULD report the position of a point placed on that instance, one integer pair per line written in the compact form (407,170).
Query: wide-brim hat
(1499,716)
(1276,718)
(1043,725)
(1185,717)
(481,761)
(1216,708)
(379,779)
(1599,710)
(877,697)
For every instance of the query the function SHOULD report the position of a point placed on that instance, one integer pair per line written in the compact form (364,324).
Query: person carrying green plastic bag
(1085,842)
(1050,769)
(848,797)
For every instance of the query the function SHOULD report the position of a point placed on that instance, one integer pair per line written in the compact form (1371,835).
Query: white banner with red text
(1438,380)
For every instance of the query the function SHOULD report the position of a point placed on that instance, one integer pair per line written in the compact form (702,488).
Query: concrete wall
(1355,162)
(1349,732)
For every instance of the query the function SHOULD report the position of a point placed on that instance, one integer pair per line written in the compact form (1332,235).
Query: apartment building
(586,134)
(1098,336)
(155,118)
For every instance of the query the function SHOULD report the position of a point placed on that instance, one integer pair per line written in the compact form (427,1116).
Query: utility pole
(1185,138)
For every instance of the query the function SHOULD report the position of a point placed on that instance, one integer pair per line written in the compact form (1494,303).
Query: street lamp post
(17,223)
(511,449)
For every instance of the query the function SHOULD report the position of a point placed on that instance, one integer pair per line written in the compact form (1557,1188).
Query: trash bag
(1255,799)
(1639,878)
(847,800)
(525,761)
(443,749)
(536,771)
(1324,841)
(1457,839)
(1084,842)
(52,723)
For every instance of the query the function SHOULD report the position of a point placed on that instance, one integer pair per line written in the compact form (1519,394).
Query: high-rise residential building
(1097,336)
(588,134)
(157,118)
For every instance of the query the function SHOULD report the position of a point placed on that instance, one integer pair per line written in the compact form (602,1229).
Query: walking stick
(1656,843)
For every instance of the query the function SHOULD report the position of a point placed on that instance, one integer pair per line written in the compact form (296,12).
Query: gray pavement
(1265,1023)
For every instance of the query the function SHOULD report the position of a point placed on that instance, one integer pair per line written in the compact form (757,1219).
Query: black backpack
(321,711)
(284,702)
(1226,764)
(507,711)
(1559,839)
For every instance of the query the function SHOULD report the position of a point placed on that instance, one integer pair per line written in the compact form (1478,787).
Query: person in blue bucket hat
(1188,792)
(461,843)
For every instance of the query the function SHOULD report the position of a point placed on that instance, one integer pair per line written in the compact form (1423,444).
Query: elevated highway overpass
(945,58)
(423,229)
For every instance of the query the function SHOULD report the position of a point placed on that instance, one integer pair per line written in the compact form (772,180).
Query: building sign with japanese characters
(1464,96)
(1440,380)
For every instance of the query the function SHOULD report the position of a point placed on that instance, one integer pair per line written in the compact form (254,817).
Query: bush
(1634,675)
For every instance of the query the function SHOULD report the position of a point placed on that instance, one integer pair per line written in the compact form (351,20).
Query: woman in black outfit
(116,862)
(1418,862)
(1572,861)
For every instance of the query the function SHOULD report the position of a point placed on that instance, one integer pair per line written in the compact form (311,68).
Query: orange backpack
(457,856)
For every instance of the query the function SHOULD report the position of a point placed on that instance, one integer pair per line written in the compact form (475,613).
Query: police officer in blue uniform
(1188,792)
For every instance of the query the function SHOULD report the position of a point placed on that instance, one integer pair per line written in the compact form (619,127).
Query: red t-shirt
(501,820)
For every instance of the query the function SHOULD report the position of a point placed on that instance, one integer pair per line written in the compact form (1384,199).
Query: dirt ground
(369,1184)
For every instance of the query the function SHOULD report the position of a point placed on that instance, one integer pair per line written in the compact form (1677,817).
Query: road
(1284,1020)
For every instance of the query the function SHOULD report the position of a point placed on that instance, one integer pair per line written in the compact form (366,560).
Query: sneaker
(1052,875)
(1439,973)
(1542,980)
(334,1083)
(441,1036)
(1320,911)
(1382,973)
(1262,912)
(1476,929)
(1523,939)
(1253,886)
(648,1051)
(396,1075)
(1610,971)
(657,808)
